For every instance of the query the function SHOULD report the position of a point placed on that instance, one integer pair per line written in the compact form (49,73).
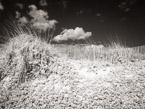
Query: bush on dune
(22,44)
(26,57)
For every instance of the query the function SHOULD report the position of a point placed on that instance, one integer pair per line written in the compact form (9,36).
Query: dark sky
(104,18)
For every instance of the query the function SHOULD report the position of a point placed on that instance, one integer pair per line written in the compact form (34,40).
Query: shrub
(26,57)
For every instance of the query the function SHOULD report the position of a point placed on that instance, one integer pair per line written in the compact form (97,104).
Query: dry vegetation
(99,53)
(37,75)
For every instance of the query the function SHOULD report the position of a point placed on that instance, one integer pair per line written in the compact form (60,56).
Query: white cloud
(37,19)
(40,19)
(45,25)
(38,15)
(52,23)
(23,20)
(18,14)
(41,26)
(72,34)
(32,7)
(1,6)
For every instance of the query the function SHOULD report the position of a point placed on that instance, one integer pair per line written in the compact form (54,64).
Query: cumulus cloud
(23,20)
(32,7)
(38,15)
(40,19)
(45,25)
(18,14)
(52,23)
(72,34)
(1,6)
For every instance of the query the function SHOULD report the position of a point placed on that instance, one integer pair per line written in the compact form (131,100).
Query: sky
(78,20)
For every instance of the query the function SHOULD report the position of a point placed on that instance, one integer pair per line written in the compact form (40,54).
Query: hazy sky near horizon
(103,18)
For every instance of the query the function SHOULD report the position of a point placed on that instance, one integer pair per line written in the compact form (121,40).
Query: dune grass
(113,53)
(22,44)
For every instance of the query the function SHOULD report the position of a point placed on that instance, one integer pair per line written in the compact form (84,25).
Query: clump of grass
(24,52)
